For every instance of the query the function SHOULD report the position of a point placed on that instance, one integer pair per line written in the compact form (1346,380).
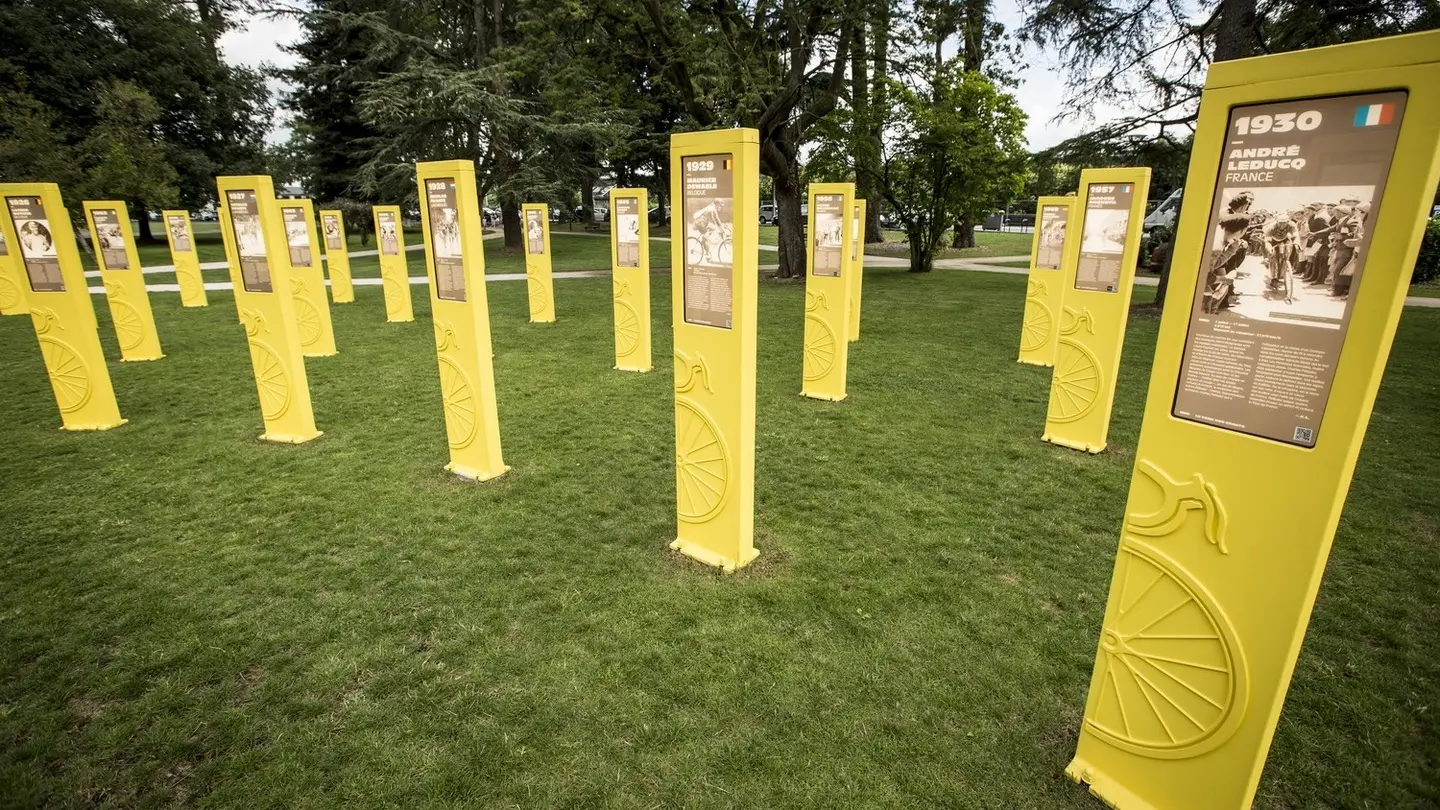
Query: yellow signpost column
(715,269)
(110,233)
(537,263)
(12,280)
(35,222)
(1310,180)
(827,291)
(337,257)
(630,272)
(187,262)
(307,280)
(857,265)
(1045,292)
(1100,273)
(455,259)
(267,308)
(394,273)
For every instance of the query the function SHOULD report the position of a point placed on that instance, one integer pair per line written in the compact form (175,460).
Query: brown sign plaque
(1106,221)
(445,238)
(37,244)
(1052,238)
(829,234)
(709,217)
(249,240)
(627,231)
(109,240)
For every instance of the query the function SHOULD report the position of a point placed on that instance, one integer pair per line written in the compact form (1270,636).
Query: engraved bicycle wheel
(702,468)
(819,348)
(271,381)
(538,298)
(307,320)
(1035,331)
(459,400)
(1172,675)
(1076,384)
(129,328)
(627,329)
(394,297)
(68,375)
(9,294)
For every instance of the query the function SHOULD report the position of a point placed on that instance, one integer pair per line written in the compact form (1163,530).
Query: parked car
(768,215)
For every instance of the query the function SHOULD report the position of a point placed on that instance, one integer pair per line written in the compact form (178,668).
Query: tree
(952,147)
(122,157)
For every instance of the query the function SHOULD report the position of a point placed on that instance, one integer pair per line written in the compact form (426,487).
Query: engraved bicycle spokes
(687,371)
(1172,679)
(459,401)
(1076,384)
(1180,499)
(307,319)
(702,471)
(1035,331)
(537,296)
(1077,321)
(819,348)
(67,374)
(9,294)
(627,328)
(271,381)
(129,328)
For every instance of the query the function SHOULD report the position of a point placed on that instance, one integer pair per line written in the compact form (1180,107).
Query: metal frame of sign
(1096,306)
(1045,291)
(630,274)
(857,262)
(307,281)
(1228,526)
(186,258)
(60,309)
(337,257)
(828,264)
(124,280)
(455,265)
(255,232)
(394,270)
(714,260)
(539,281)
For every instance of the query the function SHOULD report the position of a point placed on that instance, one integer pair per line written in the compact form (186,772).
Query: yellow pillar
(1099,275)
(337,257)
(1045,292)
(455,261)
(183,255)
(630,272)
(538,279)
(394,273)
(715,182)
(307,280)
(857,262)
(12,280)
(114,243)
(1260,394)
(36,224)
(827,290)
(267,308)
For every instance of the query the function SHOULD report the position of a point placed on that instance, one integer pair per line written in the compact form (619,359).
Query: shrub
(1427,264)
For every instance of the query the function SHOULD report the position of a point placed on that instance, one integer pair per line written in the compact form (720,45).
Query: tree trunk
(510,221)
(792,227)
(587,198)
(964,234)
(865,153)
(142,216)
(922,257)
(878,102)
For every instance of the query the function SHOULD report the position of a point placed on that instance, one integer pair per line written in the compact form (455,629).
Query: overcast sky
(1040,91)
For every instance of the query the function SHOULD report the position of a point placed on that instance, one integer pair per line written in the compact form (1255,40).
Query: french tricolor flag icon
(1374,115)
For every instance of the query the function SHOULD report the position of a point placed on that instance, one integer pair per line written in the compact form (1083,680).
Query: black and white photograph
(445,230)
(709,234)
(1104,231)
(534,233)
(332,232)
(36,241)
(1288,253)
(389,236)
(179,234)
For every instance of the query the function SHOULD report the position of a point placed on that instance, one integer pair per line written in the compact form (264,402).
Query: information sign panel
(394,273)
(1100,272)
(124,281)
(857,261)
(1045,292)
(59,304)
(337,257)
(185,257)
(538,280)
(714,276)
(630,270)
(307,280)
(455,261)
(12,281)
(1266,367)
(826,352)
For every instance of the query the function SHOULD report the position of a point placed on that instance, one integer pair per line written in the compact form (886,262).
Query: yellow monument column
(630,273)
(394,273)
(1100,273)
(12,280)
(267,308)
(715,269)
(307,280)
(1044,294)
(337,257)
(857,263)
(537,262)
(1264,377)
(181,236)
(827,291)
(110,233)
(455,259)
(36,224)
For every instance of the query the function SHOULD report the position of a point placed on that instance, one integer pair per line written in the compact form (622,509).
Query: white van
(1164,214)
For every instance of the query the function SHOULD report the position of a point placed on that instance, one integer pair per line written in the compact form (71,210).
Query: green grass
(987,243)
(1427,290)
(1025,265)
(190,617)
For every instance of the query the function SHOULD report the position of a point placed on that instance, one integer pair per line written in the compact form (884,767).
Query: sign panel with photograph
(296,236)
(1051,250)
(445,238)
(828,236)
(1289,232)
(109,240)
(389,233)
(627,231)
(709,217)
(331,225)
(37,243)
(249,240)
(1106,220)
(534,232)
(179,234)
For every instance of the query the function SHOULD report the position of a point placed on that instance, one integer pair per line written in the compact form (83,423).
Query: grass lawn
(191,617)
(987,243)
